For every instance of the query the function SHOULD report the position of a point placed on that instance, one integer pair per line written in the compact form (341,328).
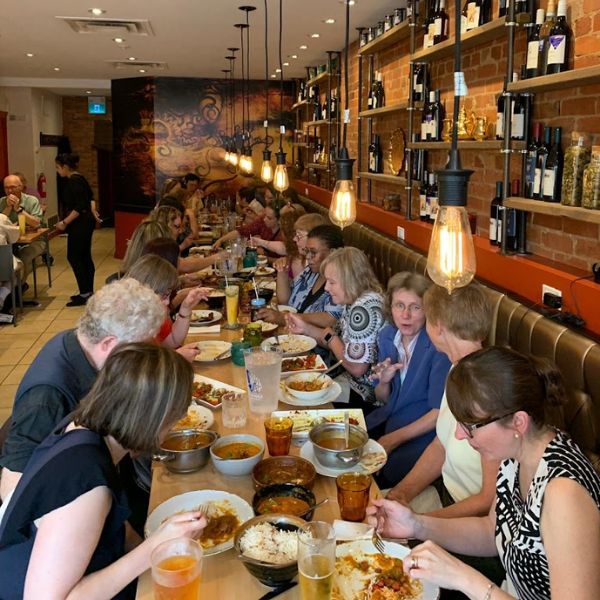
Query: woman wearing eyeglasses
(545,523)
(410,378)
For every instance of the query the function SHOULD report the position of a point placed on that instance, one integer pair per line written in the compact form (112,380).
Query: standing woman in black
(79,225)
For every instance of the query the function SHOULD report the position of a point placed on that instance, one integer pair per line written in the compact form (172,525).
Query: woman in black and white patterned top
(545,523)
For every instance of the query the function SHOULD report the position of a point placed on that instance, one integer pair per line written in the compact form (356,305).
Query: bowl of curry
(237,454)
(286,499)
(186,450)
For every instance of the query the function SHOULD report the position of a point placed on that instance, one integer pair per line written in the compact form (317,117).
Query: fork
(378,542)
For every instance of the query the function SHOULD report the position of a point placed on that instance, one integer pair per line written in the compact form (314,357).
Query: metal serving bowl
(186,461)
(338,459)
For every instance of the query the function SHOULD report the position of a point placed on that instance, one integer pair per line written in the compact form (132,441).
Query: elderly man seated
(16,203)
(9,234)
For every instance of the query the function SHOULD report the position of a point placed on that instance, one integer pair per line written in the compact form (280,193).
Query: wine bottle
(502,5)
(552,181)
(531,159)
(333,106)
(380,93)
(370,95)
(429,27)
(437,117)
(500,114)
(540,165)
(427,117)
(423,198)
(375,158)
(434,203)
(485,11)
(464,17)
(374,92)
(520,244)
(545,30)
(518,117)
(511,216)
(495,230)
(441,23)
(534,49)
(559,42)
(419,71)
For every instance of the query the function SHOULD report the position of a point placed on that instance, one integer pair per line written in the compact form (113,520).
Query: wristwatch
(328,337)
(19,210)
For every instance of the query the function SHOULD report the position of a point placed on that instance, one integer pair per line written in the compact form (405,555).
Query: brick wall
(78,126)
(565,241)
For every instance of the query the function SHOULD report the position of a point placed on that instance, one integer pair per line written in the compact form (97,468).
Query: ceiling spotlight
(294,56)
(118,40)
(96,11)
(88,91)
(315,35)
(303,47)
(329,21)
(142,70)
(273,76)
(349,2)
(131,58)
(286,64)
(277,70)
(29,55)
(57,68)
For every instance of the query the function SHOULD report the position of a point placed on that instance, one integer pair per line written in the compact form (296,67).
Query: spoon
(334,366)
(313,507)
(346,428)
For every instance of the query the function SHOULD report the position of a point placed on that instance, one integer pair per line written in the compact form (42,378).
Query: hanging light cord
(266,78)
(248,75)
(280,77)
(232,99)
(243,85)
(346,43)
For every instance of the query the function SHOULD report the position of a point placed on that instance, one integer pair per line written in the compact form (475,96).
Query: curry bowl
(284,469)
(284,498)
(308,386)
(186,450)
(237,454)
(329,444)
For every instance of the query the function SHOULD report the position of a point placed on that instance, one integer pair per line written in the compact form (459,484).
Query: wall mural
(169,126)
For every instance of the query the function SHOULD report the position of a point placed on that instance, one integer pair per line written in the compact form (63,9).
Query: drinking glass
(176,567)
(263,372)
(353,495)
(234,410)
(232,297)
(279,435)
(316,561)
(227,264)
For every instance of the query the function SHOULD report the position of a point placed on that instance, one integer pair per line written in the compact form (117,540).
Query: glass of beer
(316,561)
(353,495)
(279,435)
(176,566)
(232,297)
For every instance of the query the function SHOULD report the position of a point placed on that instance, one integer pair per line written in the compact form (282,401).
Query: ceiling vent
(138,64)
(114,27)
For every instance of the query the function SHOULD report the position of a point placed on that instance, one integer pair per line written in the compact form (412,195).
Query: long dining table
(224,575)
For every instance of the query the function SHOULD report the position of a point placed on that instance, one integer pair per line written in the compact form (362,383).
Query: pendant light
(233,151)
(281,180)
(245,164)
(241,163)
(226,73)
(266,169)
(451,257)
(342,211)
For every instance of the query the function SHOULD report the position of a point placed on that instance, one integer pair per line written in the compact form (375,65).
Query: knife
(279,590)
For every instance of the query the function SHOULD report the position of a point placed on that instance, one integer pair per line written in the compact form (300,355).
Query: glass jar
(397,19)
(250,258)
(364,37)
(577,156)
(253,334)
(591,181)
(380,28)
(388,23)
(372,34)
(256,304)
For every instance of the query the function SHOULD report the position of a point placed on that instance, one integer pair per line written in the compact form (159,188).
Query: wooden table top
(33,235)
(223,575)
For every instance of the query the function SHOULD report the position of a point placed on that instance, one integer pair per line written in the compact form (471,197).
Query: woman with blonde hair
(351,282)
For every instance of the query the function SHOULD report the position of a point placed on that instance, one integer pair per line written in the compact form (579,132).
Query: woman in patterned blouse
(545,523)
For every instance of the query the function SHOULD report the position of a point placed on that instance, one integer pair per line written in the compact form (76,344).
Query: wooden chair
(10,274)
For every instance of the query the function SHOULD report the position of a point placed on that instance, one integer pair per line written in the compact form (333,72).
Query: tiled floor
(19,345)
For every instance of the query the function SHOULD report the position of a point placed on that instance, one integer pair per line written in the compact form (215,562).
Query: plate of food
(198,417)
(263,271)
(305,420)
(362,573)
(284,308)
(213,350)
(291,345)
(267,285)
(373,459)
(225,512)
(199,318)
(267,327)
(302,364)
(201,250)
(333,391)
(209,392)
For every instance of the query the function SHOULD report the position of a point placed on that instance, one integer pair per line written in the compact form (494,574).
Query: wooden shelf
(385,178)
(317,167)
(465,145)
(384,110)
(559,81)
(389,38)
(321,77)
(300,144)
(319,123)
(554,209)
(476,37)
(299,105)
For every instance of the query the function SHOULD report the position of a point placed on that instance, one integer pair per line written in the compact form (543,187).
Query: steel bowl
(186,461)
(338,459)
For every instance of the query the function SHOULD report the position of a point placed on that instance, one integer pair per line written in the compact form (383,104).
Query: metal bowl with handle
(323,436)
(185,460)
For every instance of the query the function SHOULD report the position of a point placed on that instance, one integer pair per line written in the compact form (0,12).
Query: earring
(516,436)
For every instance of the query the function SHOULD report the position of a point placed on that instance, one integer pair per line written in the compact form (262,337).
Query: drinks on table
(278,432)
(232,297)
(176,568)
(234,410)
(263,371)
(353,495)
(316,561)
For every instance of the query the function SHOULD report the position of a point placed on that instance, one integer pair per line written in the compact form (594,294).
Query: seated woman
(63,532)
(309,295)
(545,523)
(160,276)
(457,324)
(410,379)
(351,282)
(287,247)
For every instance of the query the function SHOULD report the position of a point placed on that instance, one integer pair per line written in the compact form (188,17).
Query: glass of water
(263,372)
(234,411)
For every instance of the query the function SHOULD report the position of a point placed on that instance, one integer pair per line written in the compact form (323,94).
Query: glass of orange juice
(176,566)
(232,301)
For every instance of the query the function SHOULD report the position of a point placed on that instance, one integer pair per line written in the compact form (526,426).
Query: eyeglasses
(166,295)
(411,308)
(300,235)
(471,428)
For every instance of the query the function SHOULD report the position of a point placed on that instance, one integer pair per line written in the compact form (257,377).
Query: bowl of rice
(268,546)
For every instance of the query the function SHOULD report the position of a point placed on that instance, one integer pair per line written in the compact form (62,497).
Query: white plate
(248,270)
(373,459)
(342,584)
(333,391)
(217,316)
(264,271)
(266,327)
(197,417)
(291,345)
(319,366)
(218,385)
(209,350)
(191,501)
(201,249)
(267,285)
(304,420)
(285,308)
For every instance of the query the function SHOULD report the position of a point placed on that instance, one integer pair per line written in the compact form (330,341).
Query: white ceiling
(191,36)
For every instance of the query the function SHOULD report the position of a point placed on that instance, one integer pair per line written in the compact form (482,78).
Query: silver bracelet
(488,593)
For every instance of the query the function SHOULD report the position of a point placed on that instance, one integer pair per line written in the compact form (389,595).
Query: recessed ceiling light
(315,35)
(131,58)
(277,70)
(294,56)
(350,2)
(303,47)
(329,21)
(273,76)
(142,70)
(118,40)
(88,91)
(29,55)
(286,64)
(96,11)
(57,68)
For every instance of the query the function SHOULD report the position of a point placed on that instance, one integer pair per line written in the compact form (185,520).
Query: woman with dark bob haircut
(63,533)
(545,523)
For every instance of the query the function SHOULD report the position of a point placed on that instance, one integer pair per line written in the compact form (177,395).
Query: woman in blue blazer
(411,376)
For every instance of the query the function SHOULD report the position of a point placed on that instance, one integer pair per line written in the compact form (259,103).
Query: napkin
(347,530)
(200,329)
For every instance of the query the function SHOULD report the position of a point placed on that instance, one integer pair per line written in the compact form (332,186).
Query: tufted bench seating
(516,326)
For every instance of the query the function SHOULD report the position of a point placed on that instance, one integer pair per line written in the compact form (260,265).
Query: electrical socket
(400,233)
(547,289)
